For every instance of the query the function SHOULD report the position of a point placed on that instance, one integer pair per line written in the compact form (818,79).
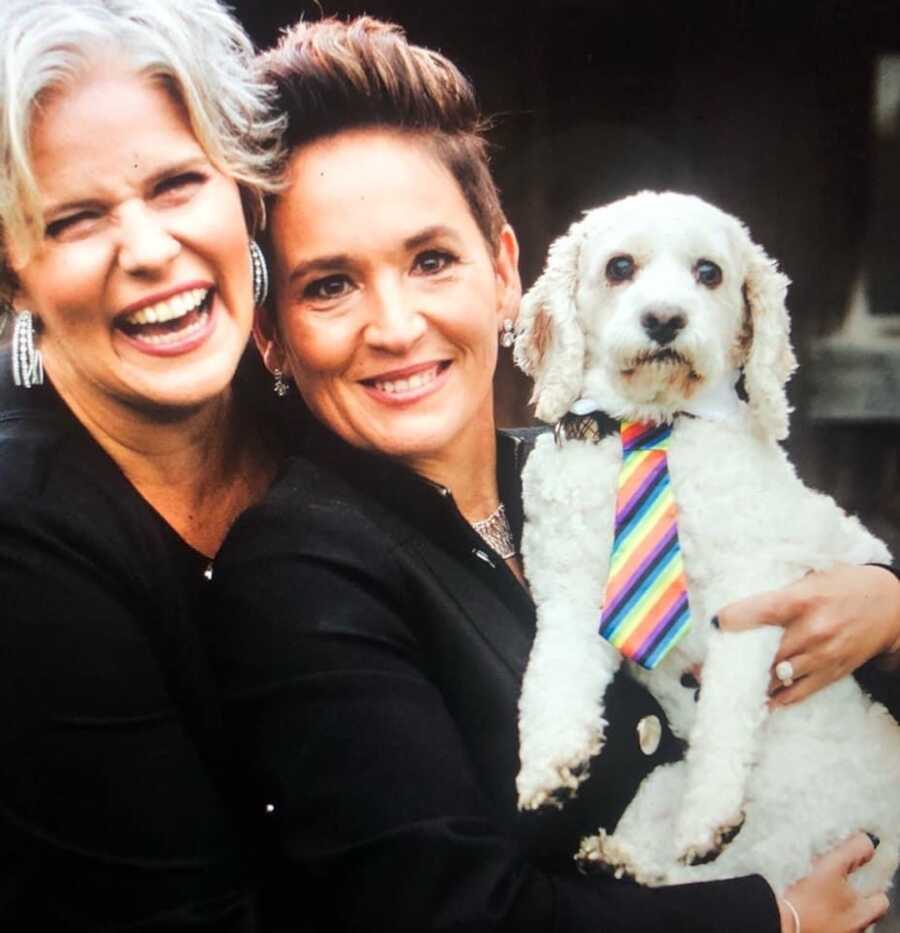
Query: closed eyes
(70,223)
(171,190)
(178,183)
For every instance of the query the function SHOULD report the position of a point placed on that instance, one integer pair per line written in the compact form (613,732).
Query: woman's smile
(389,300)
(408,385)
(174,323)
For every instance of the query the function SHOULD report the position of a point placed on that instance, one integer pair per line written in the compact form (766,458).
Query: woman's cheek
(330,344)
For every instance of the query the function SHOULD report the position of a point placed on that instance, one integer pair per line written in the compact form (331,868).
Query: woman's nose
(396,321)
(145,245)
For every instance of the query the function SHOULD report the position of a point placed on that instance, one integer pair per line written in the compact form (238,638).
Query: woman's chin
(181,389)
(185,375)
(413,441)
(404,435)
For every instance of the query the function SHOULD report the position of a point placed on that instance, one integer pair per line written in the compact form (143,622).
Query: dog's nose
(662,323)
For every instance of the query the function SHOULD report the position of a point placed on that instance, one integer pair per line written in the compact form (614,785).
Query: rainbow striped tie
(645,608)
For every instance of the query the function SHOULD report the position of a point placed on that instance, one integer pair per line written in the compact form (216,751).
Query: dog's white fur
(801,778)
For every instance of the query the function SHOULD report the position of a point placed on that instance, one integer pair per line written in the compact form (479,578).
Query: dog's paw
(605,854)
(558,776)
(533,798)
(709,844)
(554,784)
(601,855)
(712,811)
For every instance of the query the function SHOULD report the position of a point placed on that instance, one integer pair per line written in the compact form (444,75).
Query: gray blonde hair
(195,47)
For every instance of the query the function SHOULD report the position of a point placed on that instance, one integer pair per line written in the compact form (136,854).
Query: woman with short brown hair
(370,624)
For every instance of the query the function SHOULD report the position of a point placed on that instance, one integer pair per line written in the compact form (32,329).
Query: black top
(110,743)
(371,646)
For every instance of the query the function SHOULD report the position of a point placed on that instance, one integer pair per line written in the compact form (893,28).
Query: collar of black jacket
(421,502)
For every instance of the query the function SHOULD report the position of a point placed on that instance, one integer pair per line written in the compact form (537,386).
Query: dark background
(762,107)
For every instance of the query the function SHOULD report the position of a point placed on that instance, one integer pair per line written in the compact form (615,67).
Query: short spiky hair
(195,47)
(331,76)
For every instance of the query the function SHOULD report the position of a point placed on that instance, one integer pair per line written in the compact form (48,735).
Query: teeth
(175,307)
(406,385)
(176,337)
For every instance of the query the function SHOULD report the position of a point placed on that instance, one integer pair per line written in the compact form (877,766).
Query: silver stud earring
(27,363)
(281,386)
(260,274)
(507,336)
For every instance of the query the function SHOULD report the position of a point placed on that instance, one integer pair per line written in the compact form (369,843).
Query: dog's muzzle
(662,323)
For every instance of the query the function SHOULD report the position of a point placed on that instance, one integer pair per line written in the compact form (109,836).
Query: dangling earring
(281,386)
(507,337)
(260,274)
(27,363)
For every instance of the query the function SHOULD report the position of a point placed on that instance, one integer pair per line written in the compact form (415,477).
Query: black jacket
(112,761)
(370,647)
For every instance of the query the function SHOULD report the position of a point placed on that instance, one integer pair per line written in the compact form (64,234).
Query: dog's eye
(620,268)
(708,273)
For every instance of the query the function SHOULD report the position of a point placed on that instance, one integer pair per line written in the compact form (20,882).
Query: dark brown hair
(332,76)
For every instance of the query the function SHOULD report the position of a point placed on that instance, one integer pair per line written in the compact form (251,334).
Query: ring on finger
(785,672)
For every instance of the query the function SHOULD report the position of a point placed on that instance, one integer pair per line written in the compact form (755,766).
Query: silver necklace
(495,531)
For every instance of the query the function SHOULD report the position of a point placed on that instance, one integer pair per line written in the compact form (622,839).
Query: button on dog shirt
(649,732)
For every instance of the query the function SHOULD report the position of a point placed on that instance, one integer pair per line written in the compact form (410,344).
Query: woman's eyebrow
(436,232)
(340,261)
(319,264)
(176,168)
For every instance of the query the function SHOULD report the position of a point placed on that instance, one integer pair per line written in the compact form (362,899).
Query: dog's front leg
(723,742)
(569,500)
(561,724)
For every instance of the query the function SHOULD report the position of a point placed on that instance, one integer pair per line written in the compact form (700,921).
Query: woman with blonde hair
(370,625)
(136,150)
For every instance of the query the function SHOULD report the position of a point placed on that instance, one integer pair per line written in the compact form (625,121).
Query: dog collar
(588,426)
(584,421)
(591,426)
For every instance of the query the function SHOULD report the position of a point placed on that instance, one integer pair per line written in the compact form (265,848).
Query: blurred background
(786,114)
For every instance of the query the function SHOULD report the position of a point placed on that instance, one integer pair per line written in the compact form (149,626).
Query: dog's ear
(549,341)
(770,359)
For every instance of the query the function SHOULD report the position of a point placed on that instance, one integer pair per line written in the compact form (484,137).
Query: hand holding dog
(825,900)
(835,620)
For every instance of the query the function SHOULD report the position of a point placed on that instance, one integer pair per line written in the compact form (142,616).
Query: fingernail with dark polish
(875,840)
(714,621)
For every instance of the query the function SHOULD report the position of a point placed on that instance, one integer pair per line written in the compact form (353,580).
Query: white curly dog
(650,309)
